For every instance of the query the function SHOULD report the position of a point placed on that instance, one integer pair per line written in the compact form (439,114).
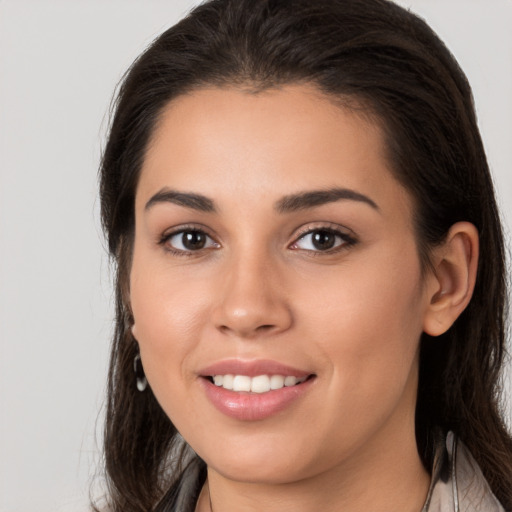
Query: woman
(311,282)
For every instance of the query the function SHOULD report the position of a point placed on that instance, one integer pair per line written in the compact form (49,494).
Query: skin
(260,289)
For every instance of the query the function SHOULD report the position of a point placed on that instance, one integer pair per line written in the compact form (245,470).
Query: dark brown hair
(380,56)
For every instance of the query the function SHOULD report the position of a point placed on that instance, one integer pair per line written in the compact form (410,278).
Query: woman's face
(273,246)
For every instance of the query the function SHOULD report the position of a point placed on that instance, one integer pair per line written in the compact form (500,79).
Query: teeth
(259,384)
(241,383)
(290,381)
(276,382)
(227,381)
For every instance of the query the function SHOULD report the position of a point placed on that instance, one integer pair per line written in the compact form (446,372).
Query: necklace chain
(210,498)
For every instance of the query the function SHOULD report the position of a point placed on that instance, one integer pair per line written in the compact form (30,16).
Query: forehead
(229,142)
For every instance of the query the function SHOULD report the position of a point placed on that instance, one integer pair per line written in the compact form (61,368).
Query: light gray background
(59,64)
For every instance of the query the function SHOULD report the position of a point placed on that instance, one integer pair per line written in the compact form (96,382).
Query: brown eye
(189,240)
(322,240)
(193,240)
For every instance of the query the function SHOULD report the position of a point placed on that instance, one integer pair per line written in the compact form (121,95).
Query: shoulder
(458,484)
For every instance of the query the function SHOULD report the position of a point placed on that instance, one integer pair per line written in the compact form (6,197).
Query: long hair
(366,52)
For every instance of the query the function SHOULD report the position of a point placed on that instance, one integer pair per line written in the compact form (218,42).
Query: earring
(142,383)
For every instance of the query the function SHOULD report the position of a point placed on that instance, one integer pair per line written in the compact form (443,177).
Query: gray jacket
(458,484)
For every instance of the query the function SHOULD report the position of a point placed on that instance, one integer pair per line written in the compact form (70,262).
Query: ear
(451,282)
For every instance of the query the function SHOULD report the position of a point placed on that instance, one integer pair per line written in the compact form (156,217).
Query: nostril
(266,327)
(247,331)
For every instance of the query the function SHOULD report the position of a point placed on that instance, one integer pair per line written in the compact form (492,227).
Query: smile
(258,384)
(254,390)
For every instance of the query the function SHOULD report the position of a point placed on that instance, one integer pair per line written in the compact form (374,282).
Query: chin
(259,459)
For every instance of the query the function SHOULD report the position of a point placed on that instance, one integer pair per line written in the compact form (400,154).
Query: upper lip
(251,368)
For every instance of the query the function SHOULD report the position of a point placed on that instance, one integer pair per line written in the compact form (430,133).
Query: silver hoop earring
(140,377)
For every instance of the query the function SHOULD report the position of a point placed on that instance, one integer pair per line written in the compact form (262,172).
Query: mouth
(254,390)
(258,384)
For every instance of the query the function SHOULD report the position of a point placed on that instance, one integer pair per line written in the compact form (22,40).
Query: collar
(458,484)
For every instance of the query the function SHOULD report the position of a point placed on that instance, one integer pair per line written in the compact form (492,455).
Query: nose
(253,301)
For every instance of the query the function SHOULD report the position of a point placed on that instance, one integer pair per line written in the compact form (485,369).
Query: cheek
(167,328)
(369,321)
(168,320)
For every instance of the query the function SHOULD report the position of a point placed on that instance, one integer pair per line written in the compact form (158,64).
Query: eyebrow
(188,200)
(287,204)
(311,199)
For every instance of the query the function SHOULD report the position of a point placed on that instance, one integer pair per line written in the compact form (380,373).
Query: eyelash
(166,237)
(346,241)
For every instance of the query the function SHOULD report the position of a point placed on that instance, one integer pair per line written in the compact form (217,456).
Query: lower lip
(253,406)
